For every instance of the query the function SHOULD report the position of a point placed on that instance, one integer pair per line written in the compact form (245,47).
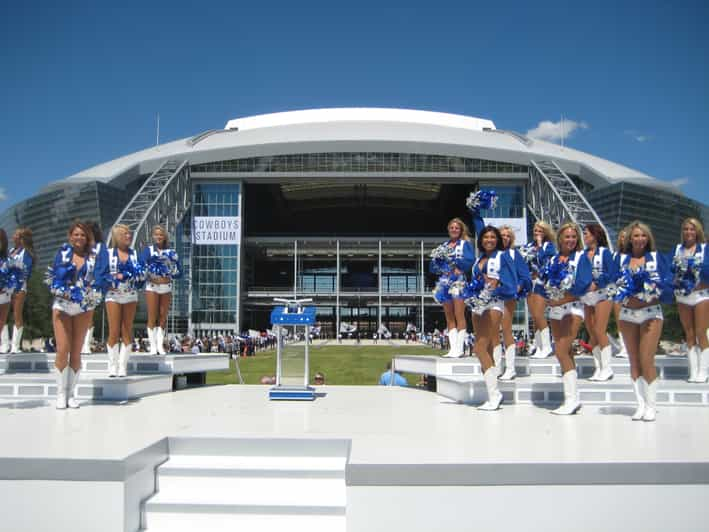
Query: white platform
(539,381)
(30,376)
(412,461)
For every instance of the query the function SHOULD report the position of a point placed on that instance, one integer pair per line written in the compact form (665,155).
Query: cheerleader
(5,284)
(127,275)
(690,268)
(537,254)
(163,265)
(597,301)
(567,277)
(101,256)
(22,257)
(524,281)
(620,245)
(494,281)
(644,280)
(77,282)
(449,261)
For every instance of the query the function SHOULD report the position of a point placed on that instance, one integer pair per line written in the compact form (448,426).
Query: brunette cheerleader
(77,282)
(494,281)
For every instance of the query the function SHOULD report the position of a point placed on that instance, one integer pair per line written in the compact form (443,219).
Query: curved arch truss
(554,198)
(164,199)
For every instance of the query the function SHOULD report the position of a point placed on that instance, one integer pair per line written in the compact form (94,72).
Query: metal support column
(423,288)
(379,326)
(295,269)
(337,289)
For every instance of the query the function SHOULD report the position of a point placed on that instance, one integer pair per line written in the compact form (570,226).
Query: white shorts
(5,297)
(575,308)
(641,315)
(694,298)
(114,296)
(495,304)
(593,298)
(158,288)
(67,307)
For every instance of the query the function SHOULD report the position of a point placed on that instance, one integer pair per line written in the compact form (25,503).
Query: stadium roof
(367,129)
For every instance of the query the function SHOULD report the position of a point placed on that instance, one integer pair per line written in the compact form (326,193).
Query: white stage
(359,458)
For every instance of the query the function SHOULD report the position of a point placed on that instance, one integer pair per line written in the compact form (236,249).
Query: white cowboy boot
(72,388)
(5,340)
(703,362)
(606,372)
(151,339)
(62,381)
(639,385)
(123,357)
(544,347)
(452,340)
(596,353)
(571,395)
(535,344)
(650,398)
(113,359)
(494,396)
(510,369)
(497,358)
(623,353)
(16,339)
(160,339)
(86,348)
(693,359)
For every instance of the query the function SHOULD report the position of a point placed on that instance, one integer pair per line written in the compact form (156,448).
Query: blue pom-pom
(482,199)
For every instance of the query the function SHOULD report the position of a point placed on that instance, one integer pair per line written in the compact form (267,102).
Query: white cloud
(555,131)
(680,181)
(3,194)
(637,135)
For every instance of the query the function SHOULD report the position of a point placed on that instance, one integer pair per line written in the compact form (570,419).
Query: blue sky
(81,82)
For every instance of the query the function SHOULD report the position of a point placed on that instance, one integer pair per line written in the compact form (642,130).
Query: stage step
(222,484)
(549,391)
(668,367)
(137,363)
(92,386)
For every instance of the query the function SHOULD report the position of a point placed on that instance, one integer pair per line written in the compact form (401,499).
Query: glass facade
(215,268)
(510,202)
(50,214)
(360,162)
(621,203)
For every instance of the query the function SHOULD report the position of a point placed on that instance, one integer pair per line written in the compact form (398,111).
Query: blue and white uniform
(658,268)
(450,285)
(498,266)
(22,260)
(171,265)
(90,281)
(690,294)
(524,277)
(539,258)
(581,271)
(604,272)
(5,291)
(125,290)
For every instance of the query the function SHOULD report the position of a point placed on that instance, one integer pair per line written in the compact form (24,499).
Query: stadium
(342,205)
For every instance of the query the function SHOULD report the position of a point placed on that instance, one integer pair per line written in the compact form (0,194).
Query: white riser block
(217,522)
(249,491)
(255,466)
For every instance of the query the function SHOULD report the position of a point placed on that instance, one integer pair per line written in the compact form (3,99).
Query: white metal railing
(555,198)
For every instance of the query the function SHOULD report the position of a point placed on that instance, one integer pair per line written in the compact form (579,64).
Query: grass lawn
(340,364)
